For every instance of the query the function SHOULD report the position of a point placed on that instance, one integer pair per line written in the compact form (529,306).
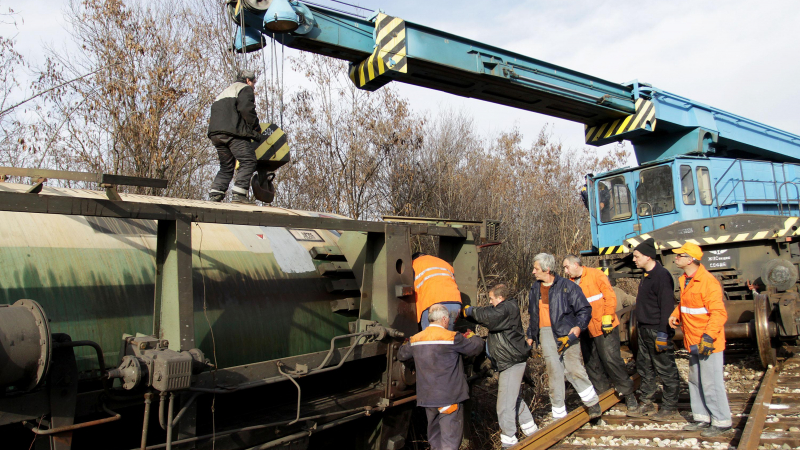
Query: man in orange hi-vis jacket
(702,316)
(435,282)
(600,346)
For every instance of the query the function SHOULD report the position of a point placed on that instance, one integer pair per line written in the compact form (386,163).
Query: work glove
(564,342)
(706,345)
(608,323)
(661,341)
(466,311)
(468,334)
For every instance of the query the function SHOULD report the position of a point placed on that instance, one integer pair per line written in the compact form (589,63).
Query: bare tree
(12,63)
(342,139)
(145,111)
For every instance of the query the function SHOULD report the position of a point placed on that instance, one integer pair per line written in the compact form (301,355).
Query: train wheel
(633,335)
(765,349)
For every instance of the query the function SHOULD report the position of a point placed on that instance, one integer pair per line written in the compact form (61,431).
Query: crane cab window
(654,194)
(614,199)
(704,185)
(687,186)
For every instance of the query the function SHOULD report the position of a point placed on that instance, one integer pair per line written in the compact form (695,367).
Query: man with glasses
(702,316)
(656,357)
(600,344)
(235,132)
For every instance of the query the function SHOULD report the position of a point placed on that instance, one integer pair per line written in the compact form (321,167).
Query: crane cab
(632,202)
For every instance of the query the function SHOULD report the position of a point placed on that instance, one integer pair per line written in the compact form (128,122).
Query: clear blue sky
(737,55)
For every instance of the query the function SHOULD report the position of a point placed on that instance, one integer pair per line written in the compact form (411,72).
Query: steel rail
(558,430)
(751,436)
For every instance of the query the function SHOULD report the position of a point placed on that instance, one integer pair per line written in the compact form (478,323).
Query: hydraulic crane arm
(385,48)
(414,54)
(449,63)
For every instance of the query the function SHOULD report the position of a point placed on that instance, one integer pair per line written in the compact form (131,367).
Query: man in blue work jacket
(441,383)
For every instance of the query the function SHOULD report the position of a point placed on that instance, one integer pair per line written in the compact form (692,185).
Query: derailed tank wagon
(163,323)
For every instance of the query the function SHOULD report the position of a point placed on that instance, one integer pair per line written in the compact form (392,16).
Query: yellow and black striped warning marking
(275,149)
(790,228)
(645,112)
(390,54)
(614,249)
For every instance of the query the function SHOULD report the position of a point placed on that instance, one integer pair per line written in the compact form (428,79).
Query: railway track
(767,418)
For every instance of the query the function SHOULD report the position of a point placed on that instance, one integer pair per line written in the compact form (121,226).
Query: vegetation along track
(767,417)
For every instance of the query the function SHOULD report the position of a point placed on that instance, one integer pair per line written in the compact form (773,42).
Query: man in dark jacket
(509,354)
(655,301)
(235,131)
(559,311)
(441,383)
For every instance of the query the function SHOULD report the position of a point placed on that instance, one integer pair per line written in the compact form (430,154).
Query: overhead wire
(283,64)
(264,63)
(231,32)
(242,29)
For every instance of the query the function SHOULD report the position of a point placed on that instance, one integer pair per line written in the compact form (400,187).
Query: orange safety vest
(434,282)
(601,296)
(702,310)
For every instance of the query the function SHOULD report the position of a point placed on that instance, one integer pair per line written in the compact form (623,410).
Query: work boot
(216,197)
(714,430)
(646,408)
(696,426)
(241,198)
(594,411)
(667,414)
(631,403)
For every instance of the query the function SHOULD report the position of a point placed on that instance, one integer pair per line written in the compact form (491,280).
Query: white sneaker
(529,428)
(508,441)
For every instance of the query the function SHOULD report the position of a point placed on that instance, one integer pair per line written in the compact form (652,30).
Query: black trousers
(651,364)
(602,360)
(231,149)
(445,430)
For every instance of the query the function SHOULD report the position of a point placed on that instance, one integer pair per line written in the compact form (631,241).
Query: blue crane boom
(383,48)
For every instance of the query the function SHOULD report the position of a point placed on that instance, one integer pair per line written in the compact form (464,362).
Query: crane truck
(707,176)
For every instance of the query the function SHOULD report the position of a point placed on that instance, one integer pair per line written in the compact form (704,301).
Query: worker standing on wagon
(435,282)
(702,316)
(656,357)
(441,383)
(558,312)
(600,344)
(235,132)
(508,352)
